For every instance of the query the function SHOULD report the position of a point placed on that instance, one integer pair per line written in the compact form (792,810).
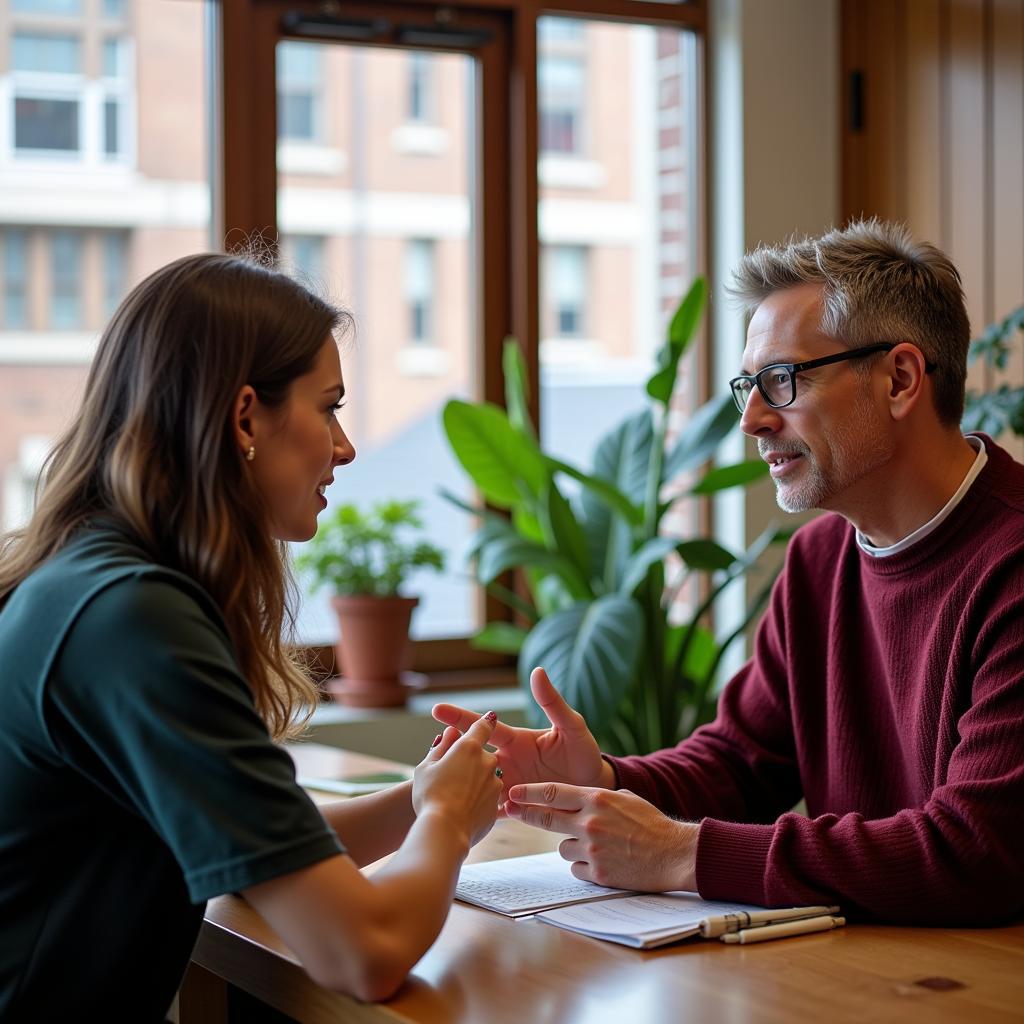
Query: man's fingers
(546,818)
(463,720)
(553,704)
(559,795)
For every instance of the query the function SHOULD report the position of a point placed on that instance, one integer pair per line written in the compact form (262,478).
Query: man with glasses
(886,686)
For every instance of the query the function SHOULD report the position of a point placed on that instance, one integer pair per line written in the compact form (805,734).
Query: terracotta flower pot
(374,649)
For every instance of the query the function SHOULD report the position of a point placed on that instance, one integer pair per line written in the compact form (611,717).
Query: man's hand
(617,838)
(567,752)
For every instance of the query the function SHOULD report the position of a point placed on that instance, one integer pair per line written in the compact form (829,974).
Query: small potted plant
(365,557)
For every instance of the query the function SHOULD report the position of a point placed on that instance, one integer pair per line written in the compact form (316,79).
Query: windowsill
(47,348)
(413,139)
(310,158)
(570,172)
(418,359)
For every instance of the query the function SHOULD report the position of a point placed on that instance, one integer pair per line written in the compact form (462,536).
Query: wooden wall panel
(1007,193)
(923,68)
(942,143)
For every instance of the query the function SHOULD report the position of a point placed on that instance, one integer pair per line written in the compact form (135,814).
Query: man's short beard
(857,447)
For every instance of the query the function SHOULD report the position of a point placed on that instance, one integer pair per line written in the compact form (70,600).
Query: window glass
(561,85)
(51,54)
(299,84)
(419,87)
(45,124)
(419,286)
(65,276)
(110,130)
(397,249)
(48,6)
(113,58)
(75,242)
(617,221)
(15,311)
(303,255)
(115,269)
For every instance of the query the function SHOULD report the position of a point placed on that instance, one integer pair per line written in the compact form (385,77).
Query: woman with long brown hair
(145,674)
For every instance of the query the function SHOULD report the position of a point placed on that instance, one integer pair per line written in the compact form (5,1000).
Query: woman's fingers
(462,719)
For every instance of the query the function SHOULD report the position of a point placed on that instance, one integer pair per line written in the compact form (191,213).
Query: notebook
(544,887)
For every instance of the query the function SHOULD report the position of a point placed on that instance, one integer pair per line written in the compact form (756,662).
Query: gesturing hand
(567,752)
(457,778)
(617,838)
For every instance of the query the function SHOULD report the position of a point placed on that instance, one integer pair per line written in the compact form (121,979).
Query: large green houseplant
(596,612)
(364,558)
(1001,408)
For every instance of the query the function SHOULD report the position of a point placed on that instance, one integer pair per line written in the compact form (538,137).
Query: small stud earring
(250,454)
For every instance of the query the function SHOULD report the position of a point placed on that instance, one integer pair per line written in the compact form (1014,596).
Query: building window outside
(421,88)
(562,84)
(567,282)
(66,277)
(15,267)
(303,255)
(62,7)
(58,111)
(300,86)
(113,10)
(115,270)
(419,289)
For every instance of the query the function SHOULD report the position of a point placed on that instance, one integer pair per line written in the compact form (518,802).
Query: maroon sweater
(889,693)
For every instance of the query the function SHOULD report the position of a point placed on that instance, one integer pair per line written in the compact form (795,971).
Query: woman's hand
(457,779)
(567,752)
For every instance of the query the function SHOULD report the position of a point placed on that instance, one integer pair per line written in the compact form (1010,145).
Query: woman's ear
(244,416)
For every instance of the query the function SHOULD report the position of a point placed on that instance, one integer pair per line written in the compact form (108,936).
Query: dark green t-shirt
(136,781)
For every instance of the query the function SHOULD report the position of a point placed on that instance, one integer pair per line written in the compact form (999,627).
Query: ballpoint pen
(781,931)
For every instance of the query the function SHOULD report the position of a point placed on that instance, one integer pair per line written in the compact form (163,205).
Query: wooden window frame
(245,186)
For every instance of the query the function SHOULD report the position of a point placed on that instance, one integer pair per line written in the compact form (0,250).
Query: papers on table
(543,885)
(524,885)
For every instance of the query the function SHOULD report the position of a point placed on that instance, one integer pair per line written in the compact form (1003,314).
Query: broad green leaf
(624,453)
(641,561)
(704,555)
(517,395)
(601,488)
(701,437)
(493,452)
(723,477)
(700,653)
(680,332)
(564,531)
(516,552)
(590,652)
(500,637)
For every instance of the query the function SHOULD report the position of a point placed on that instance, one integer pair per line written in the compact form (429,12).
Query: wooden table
(487,969)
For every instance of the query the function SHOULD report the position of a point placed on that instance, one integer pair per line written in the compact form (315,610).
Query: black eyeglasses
(777,383)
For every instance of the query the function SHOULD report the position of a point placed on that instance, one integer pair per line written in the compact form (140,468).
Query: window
(49,54)
(66,276)
(561,88)
(568,288)
(440,259)
(48,6)
(115,270)
(65,105)
(15,267)
(420,88)
(419,288)
(299,86)
(84,236)
(303,255)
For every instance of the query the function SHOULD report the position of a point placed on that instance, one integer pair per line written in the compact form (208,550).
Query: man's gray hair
(879,284)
